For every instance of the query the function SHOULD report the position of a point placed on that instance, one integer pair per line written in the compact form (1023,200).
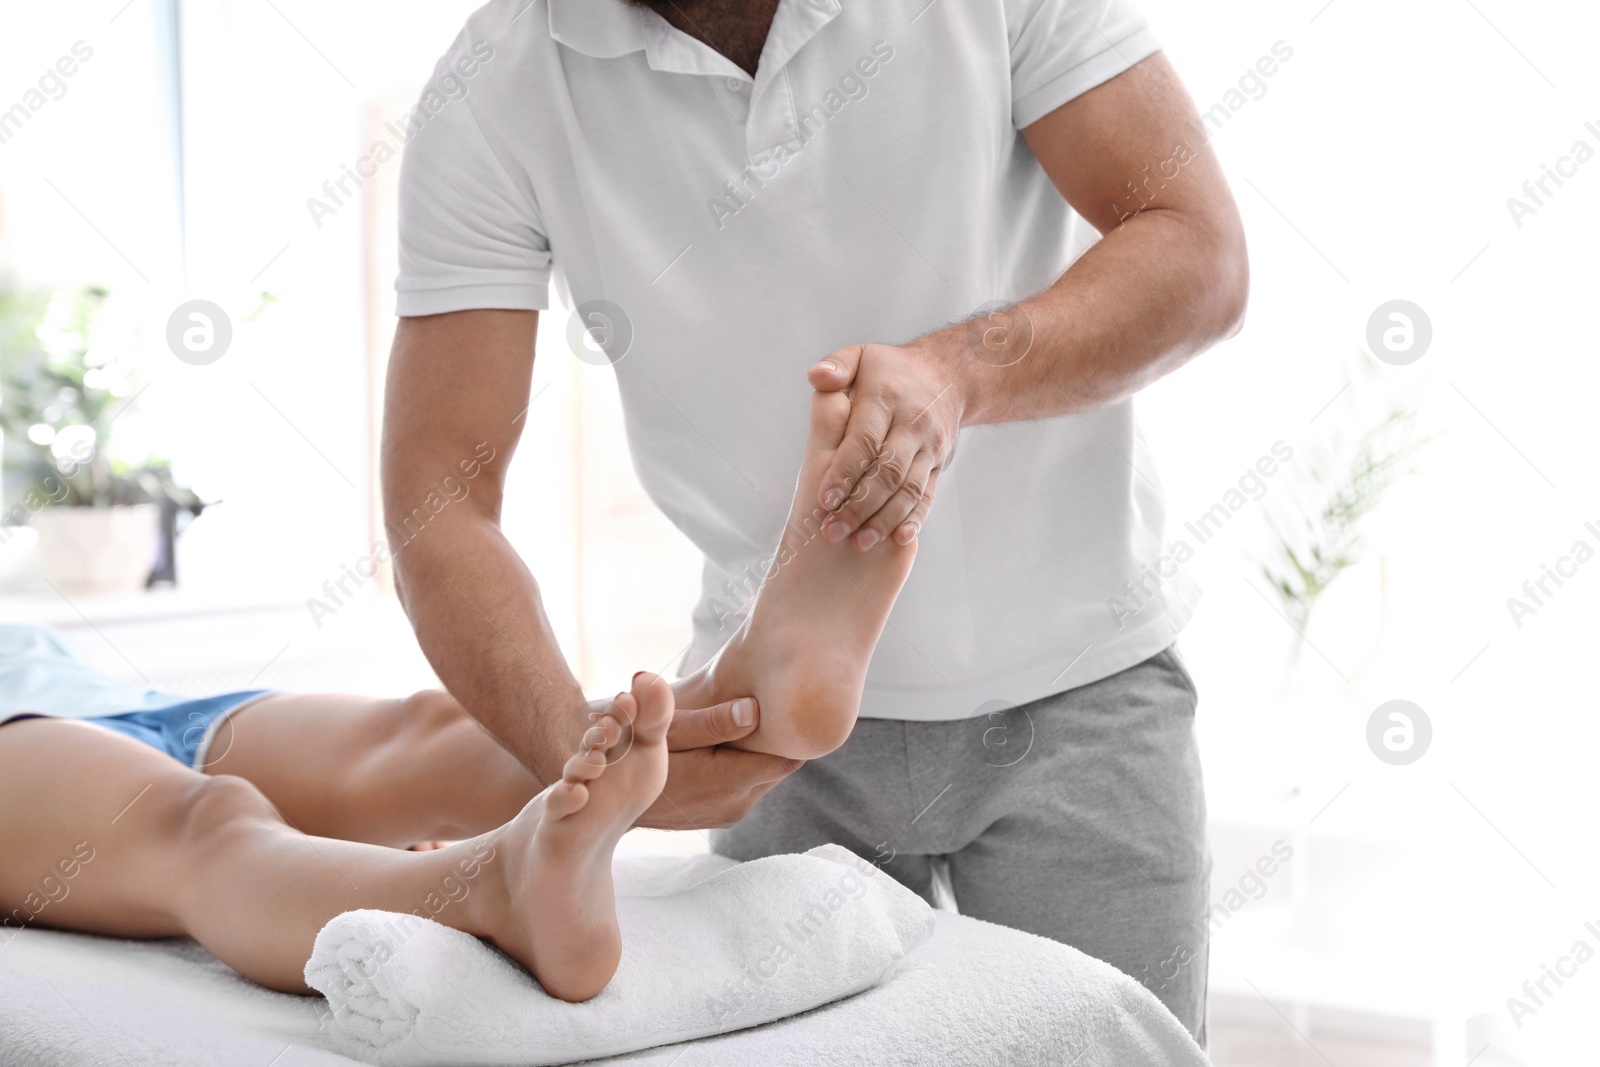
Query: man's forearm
(1153,293)
(459,386)
(477,614)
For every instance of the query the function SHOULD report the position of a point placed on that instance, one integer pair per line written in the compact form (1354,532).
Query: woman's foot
(558,908)
(804,649)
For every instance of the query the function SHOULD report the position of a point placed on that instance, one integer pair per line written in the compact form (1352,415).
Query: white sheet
(974,994)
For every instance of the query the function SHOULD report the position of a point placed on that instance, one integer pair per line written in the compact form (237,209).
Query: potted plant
(104,521)
(1366,446)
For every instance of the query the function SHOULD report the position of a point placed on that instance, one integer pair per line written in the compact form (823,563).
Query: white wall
(1377,165)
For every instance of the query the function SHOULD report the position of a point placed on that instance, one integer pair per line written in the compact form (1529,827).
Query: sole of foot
(804,649)
(560,916)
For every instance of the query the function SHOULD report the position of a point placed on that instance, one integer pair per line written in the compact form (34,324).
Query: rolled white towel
(757,942)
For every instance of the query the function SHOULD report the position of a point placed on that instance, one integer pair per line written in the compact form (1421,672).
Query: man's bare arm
(1170,277)
(1168,280)
(457,388)
(456,402)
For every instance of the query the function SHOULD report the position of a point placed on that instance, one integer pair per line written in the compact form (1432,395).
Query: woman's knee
(205,811)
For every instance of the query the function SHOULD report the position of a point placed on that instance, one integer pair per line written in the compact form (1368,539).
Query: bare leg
(804,649)
(103,834)
(388,772)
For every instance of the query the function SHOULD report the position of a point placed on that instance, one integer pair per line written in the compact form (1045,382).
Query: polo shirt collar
(796,22)
(675,52)
(607,29)
(604,29)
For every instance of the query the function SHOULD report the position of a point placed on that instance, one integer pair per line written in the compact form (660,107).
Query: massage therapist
(754,199)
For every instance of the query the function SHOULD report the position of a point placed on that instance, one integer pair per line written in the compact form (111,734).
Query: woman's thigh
(85,818)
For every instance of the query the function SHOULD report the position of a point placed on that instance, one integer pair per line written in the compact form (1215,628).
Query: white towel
(758,942)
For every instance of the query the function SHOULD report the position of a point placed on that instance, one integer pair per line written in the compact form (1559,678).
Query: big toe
(654,698)
(565,798)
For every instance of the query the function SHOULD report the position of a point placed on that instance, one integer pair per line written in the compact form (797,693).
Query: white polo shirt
(868,184)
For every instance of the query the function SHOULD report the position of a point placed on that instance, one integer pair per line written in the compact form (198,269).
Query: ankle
(477,876)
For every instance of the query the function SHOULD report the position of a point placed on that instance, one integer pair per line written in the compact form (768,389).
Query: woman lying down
(248,820)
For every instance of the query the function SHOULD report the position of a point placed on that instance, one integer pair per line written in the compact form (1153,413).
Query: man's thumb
(705,727)
(835,371)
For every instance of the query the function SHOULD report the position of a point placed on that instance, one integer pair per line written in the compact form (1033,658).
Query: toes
(586,766)
(653,700)
(606,731)
(429,846)
(564,798)
(624,708)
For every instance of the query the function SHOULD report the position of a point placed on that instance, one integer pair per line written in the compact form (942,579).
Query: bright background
(1374,164)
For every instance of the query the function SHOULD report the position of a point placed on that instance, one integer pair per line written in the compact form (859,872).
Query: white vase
(98,551)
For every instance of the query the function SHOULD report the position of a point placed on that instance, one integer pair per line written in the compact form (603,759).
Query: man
(730,191)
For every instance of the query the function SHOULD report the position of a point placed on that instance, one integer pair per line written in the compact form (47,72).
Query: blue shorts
(185,731)
(45,676)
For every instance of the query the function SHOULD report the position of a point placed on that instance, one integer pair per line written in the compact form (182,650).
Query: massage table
(974,993)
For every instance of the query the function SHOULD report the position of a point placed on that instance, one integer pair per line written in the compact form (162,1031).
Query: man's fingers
(911,525)
(705,727)
(897,509)
(855,456)
(725,769)
(708,788)
(884,476)
(835,371)
(771,769)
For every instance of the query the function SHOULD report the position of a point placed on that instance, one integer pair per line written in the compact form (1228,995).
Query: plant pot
(99,551)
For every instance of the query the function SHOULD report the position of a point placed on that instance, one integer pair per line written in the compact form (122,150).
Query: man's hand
(906,406)
(710,787)
(1168,280)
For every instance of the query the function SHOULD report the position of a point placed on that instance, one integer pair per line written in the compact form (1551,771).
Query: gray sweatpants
(1079,817)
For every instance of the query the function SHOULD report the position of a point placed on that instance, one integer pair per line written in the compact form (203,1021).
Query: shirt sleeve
(1060,49)
(470,233)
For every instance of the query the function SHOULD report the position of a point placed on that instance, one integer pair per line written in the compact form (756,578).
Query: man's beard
(729,9)
(740,26)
